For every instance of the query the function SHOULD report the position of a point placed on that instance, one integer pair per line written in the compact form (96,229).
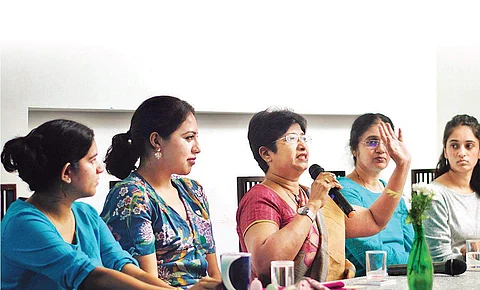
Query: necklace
(363,181)
(295,198)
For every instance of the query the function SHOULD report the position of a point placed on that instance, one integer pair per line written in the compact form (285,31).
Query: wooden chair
(244,183)
(423,175)
(9,195)
(112,183)
(338,173)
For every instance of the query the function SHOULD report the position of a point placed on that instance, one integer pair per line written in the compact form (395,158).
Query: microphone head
(315,170)
(455,267)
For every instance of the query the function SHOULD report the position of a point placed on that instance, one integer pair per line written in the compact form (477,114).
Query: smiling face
(371,154)
(85,175)
(290,158)
(180,150)
(462,149)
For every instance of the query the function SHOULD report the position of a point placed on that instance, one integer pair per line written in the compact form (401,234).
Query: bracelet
(393,194)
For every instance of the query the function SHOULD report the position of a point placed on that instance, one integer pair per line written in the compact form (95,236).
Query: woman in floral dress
(160,218)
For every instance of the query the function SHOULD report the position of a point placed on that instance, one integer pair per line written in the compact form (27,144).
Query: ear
(445,153)
(265,153)
(66,174)
(155,140)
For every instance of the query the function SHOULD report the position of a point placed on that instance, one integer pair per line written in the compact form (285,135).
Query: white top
(454,218)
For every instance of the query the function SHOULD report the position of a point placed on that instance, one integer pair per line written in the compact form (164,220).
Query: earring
(158,154)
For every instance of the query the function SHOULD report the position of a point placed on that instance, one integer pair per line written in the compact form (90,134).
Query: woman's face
(180,150)
(462,149)
(85,177)
(290,157)
(371,153)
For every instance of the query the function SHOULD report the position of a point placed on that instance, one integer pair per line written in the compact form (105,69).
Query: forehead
(462,133)
(295,128)
(372,131)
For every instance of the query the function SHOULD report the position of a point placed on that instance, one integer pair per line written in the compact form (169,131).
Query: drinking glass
(282,273)
(376,265)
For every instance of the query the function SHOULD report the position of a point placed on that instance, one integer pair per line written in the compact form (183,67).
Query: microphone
(337,197)
(449,267)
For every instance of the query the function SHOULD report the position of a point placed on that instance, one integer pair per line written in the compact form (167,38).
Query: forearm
(284,244)
(143,276)
(103,278)
(213,270)
(382,209)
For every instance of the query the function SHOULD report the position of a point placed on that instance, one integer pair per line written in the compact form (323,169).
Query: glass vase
(420,266)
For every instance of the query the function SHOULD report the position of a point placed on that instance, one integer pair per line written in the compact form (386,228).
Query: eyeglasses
(292,138)
(372,143)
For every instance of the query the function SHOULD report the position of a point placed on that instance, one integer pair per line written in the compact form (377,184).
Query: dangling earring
(446,161)
(158,154)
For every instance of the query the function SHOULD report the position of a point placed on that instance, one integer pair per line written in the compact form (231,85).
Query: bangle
(393,194)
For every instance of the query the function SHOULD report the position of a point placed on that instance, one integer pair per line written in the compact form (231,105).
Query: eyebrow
(93,156)
(190,132)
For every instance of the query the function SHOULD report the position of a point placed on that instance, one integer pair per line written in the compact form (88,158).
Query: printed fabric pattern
(143,224)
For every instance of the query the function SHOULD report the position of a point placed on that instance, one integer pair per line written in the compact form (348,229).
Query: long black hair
(40,156)
(161,114)
(443,166)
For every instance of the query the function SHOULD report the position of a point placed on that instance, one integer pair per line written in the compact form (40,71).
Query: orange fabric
(335,223)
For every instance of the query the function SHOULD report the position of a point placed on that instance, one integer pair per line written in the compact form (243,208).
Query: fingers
(208,283)
(400,135)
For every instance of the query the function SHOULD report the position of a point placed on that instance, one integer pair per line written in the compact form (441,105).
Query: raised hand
(394,144)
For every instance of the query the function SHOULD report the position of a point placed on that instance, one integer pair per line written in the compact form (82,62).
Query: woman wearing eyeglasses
(280,219)
(363,186)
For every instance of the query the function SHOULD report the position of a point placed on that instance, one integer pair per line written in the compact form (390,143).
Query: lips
(303,156)
(191,160)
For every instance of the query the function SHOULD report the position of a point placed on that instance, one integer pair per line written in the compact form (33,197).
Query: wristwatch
(304,210)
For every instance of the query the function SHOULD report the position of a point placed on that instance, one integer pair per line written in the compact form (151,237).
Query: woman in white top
(455,213)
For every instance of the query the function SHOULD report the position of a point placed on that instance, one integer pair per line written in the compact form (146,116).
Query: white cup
(376,265)
(282,273)
(473,255)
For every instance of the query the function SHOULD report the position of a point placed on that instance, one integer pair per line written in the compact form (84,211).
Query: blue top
(35,256)
(144,224)
(396,239)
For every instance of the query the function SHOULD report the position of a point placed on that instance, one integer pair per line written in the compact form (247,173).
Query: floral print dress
(143,223)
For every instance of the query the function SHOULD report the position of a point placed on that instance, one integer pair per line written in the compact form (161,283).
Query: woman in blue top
(160,218)
(363,186)
(50,241)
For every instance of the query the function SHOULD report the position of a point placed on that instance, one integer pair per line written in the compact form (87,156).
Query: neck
(460,180)
(55,205)
(157,177)
(369,180)
(287,184)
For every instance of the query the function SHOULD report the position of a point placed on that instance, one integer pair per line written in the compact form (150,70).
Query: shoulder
(259,194)
(189,186)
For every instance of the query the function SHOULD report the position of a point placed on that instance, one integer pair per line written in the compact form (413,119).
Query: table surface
(467,280)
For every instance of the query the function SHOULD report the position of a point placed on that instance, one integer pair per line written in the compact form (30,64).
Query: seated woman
(162,220)
(363,186)
(281,220)
(455,211)
(50,241)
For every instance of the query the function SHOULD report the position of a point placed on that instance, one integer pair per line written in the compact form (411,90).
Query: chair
(244,183)
(112,183)
(423,175)
(9,195)
(338,173)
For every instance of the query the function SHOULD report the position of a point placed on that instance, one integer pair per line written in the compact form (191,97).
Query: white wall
(458,84)
(330,61)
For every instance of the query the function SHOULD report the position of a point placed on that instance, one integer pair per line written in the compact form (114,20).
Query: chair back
(338,173)
(9,195)
(244,183)
(423,175)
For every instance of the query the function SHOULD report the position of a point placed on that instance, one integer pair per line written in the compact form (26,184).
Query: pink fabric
(261,203)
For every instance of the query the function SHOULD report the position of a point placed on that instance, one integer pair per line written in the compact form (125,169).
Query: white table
(467,280)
